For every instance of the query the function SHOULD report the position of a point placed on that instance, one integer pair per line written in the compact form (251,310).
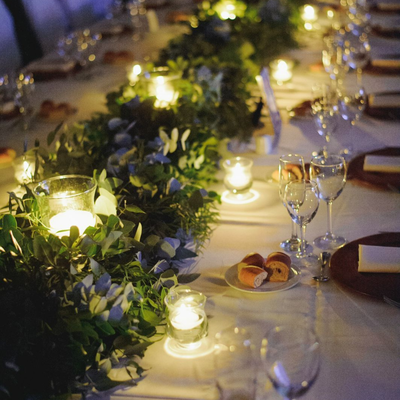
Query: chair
(10,58)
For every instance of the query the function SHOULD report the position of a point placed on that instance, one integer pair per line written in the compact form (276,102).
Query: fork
(391,302)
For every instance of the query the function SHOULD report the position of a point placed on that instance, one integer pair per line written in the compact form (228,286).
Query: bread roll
(252,275)
(278,267)
(254,259)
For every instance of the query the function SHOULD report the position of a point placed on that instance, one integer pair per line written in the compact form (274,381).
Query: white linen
(378,259)
(382,163)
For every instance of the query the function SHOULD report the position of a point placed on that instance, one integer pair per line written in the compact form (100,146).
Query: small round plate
(231,277)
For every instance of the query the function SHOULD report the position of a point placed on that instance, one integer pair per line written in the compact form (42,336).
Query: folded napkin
(51,65)
(389,100)
(382,163)
(386,62)
(388,6)
(378,259)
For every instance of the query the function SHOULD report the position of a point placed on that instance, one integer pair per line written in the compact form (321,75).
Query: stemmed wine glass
(291,167)
(324,112)
(352,100)
(302,201)
(356,51)
(291,358)
(329,173)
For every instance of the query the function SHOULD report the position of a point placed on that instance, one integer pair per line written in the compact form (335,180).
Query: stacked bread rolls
(254,269)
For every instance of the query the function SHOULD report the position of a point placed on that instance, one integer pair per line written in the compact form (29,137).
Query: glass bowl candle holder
(238,177)
(281,70)
(161,83)
(187,321)
(66,201)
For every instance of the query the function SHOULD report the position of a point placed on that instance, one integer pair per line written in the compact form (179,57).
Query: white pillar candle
(61,223)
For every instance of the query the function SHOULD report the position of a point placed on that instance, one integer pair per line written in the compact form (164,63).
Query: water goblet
(329,173)
(291,167)
(324,112)
(302,201)
(291,358)
(235,364)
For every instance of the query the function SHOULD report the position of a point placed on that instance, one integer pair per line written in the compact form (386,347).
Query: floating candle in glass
(281,70)
(230,9)
(186,321)
(161,83)
(134,74)
(66,201)
(309,15)
(238,178)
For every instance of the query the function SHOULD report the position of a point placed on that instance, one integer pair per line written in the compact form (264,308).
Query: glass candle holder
(281,70)
(230,9)
(161,84)
(66,201)
(186,321)
(24,169)
(309,15)
(238,178)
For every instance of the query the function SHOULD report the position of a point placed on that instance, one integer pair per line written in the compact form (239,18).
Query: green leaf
(150,316)
(8,222)
(196,200)
(74,233)
(182,253)
(134,209)
(51,136)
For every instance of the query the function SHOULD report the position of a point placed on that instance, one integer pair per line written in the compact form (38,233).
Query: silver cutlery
(324,258)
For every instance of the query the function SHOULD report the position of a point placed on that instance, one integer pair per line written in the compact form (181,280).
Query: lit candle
(134,75)
(185,318)
(281,71)
(238,177)
(230,9)
(24,168)
(309,16)
(61,223)
(164,93)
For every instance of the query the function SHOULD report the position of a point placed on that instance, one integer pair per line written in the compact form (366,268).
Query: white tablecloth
(360,335)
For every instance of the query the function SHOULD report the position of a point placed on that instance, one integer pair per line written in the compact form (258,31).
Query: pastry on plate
(277,266)
(251,275)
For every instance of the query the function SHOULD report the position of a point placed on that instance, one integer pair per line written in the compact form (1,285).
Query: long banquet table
(359,335)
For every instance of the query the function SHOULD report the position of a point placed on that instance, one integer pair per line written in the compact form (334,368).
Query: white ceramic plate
(231,277)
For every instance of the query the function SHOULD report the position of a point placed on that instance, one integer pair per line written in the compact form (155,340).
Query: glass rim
(245,162)
(91,187)
(330,164)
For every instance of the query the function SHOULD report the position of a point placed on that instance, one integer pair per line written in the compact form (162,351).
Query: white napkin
(388,6)
(378,259)
(51,65)
(384,62)
(384,100)
(382,163)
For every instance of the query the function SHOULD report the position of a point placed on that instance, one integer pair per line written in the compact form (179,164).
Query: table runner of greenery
(75,307)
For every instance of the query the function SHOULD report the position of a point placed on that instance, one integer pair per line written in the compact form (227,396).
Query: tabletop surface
(359,334)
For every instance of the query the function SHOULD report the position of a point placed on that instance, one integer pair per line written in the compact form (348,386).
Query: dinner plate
(231,277)
(344,268)
(380,180)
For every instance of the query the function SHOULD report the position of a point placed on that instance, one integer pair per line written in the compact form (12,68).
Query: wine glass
(291,358)
(235,364)
(23,98)
(329,173)
(324,112)
(332,58)
(302,201)
(356,49)
(352,100)
(291,167)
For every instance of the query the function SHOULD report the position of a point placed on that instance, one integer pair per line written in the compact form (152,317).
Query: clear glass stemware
(324,112)
(329,173)
(291,358)
(302,201)
(291,167)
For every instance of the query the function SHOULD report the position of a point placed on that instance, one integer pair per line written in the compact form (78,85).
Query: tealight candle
(66,201)
(230,9)
(61,223)
(238,178)
(281,70)
(164,93)
(309,16)
(186,321)
(134,74)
